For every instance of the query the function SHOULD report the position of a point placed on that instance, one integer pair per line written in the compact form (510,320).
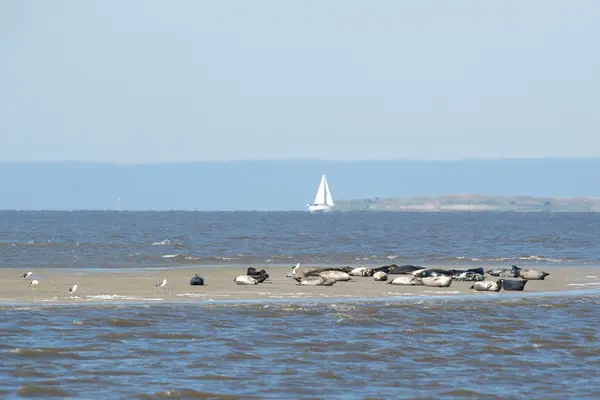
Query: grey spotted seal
(533,274)
(469,277)
(488,286)
(336,275)
(303,279)
(406,281)
(512,272)
(361,271)
(437,281)
(317,281)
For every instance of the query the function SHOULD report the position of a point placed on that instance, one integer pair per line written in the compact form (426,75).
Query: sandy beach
(139,285)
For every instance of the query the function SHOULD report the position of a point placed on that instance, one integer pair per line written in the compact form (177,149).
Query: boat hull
(318,208)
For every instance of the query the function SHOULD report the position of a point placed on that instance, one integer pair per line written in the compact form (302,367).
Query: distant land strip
(471,203)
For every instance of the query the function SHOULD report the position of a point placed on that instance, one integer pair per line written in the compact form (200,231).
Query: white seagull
(33,283)
(162,284)
(27,274)
(73,289)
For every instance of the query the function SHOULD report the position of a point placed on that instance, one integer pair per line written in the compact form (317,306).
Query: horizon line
(127,164)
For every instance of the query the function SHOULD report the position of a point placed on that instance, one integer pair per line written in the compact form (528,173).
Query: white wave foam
(170,255)
(118,297)
(165,242)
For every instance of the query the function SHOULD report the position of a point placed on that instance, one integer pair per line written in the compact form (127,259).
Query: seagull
(162,284)
(33,282)
(27,274)
(294,271)
(73,289)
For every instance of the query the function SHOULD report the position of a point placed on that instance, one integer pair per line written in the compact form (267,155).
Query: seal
(406,281)
(511,284)
(336,275)
(402,269)
(197,280)
(380,276)
(260,276)
(245,280)
(361,271)
(317,281)
(469,277)
(533,274)
(512,272)
(488,286)
(431,273)
(316,271)
(437,281)
(471,274)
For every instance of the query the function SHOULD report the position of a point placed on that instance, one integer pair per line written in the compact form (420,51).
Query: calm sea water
(149,239)
(488,347)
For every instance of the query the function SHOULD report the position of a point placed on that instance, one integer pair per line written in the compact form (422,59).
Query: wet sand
(139,285)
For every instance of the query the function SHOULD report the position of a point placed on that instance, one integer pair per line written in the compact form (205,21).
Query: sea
(538,346)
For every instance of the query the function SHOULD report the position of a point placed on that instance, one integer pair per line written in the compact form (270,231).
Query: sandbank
(139,285)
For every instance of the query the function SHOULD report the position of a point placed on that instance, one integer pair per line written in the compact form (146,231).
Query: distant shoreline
(471,203)
(445,203)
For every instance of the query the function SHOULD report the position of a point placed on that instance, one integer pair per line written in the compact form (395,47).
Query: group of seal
(510,284)
(318,276)
(413,275)
(252,277)
(409,275)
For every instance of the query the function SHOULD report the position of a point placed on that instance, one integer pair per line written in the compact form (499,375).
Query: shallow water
(494,347)
(100,239)
(498,348)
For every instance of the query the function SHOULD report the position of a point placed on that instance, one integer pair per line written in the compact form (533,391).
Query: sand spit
(139,286)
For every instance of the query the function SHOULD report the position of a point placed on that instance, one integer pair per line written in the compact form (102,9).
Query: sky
(158,81)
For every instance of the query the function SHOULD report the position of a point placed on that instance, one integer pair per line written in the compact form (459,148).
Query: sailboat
(323,200)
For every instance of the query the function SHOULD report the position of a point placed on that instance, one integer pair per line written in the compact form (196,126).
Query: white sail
(323,200)
(320,198)
(328,198)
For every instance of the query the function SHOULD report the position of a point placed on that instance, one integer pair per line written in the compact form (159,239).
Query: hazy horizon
(283,184)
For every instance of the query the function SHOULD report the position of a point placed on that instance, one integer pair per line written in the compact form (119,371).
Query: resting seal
(406,281)
(245,280)
(488,286)
(361,271)
(380,276)
(197,280)
(437,281)
(509,284)
(469,277)
(335,275)
(512,272)
(533,274)
(317,281)
(402,269)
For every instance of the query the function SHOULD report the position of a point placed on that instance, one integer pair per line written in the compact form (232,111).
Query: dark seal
(197,280)
(398,269)
(516,285)
(260,276)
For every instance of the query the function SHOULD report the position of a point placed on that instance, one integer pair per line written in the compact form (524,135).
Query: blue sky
(157,81)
